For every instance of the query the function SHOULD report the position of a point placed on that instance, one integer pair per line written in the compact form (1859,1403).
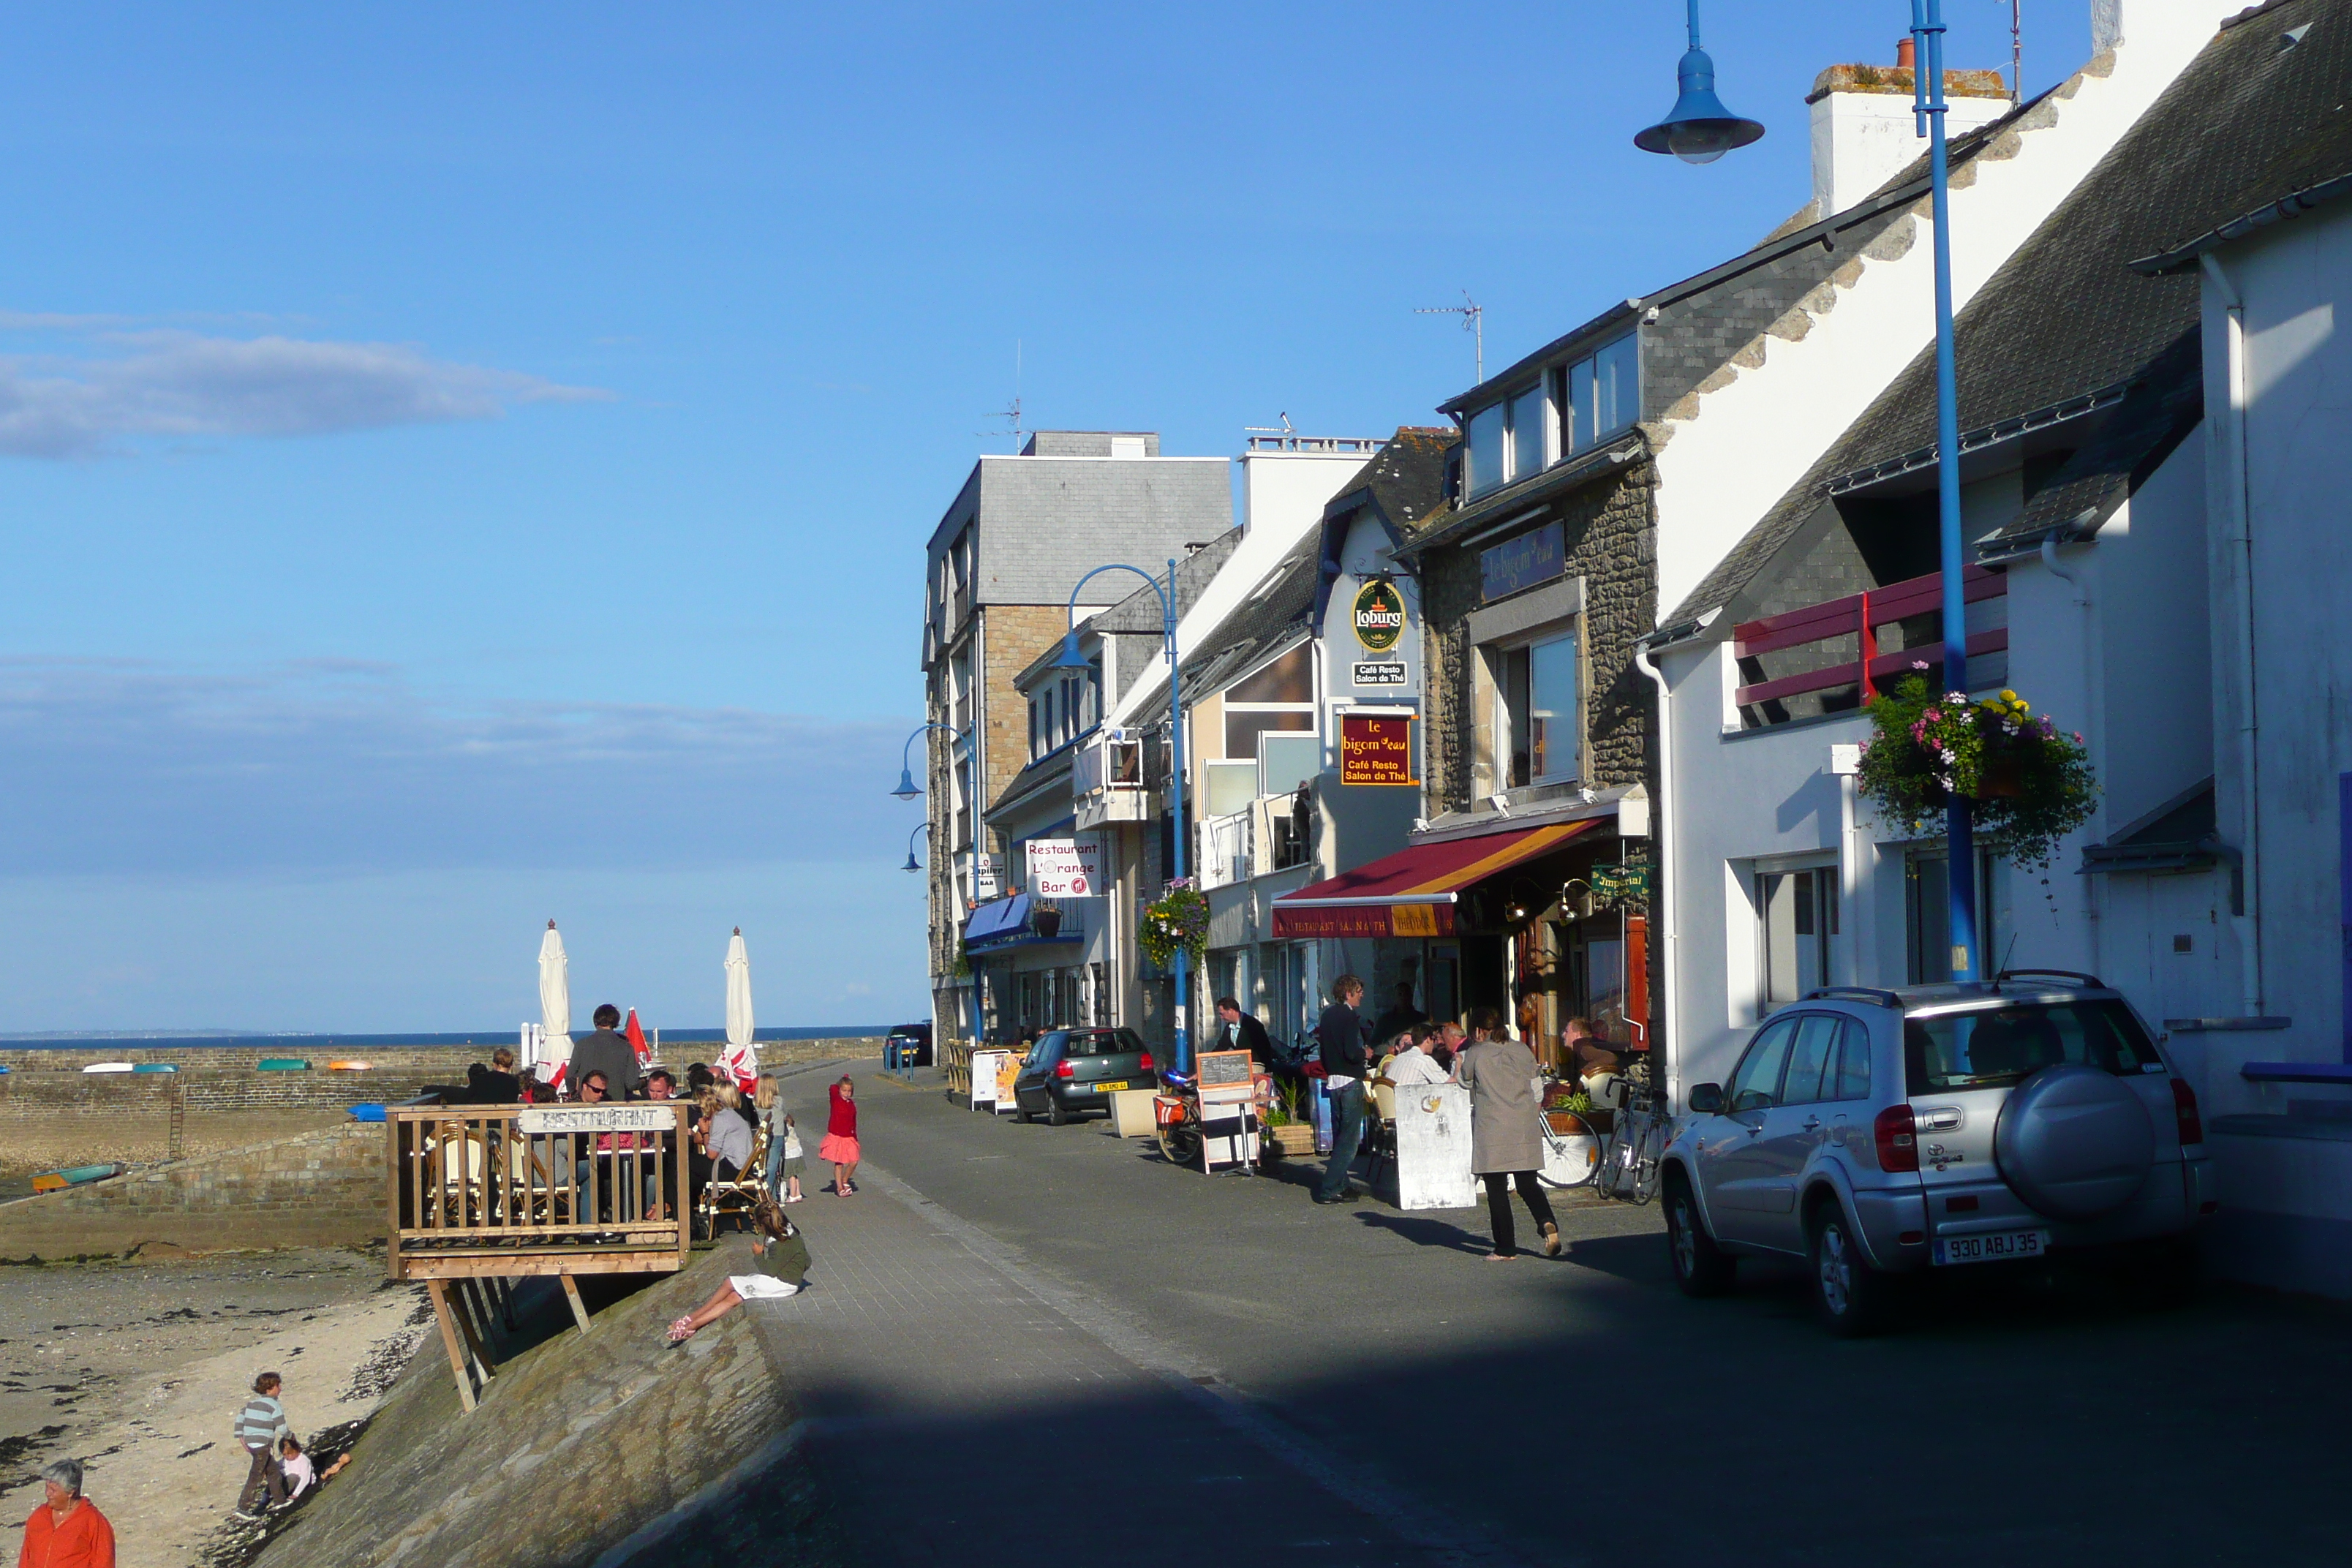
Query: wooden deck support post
(458,1367)
(579,1307)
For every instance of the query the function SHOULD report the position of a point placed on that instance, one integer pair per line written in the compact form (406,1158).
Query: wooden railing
(499,1191)
(1859,615)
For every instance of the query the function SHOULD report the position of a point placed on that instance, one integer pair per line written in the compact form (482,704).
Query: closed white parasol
(739,1059)
(554,1002)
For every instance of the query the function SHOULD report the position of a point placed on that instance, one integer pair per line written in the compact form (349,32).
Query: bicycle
(1632,1151)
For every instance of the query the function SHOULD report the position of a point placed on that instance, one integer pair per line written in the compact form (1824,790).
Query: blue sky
(464,465)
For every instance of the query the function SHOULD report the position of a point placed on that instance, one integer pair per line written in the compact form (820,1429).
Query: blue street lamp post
(1072,658)
(1699,129)
(909,790)
(920,829)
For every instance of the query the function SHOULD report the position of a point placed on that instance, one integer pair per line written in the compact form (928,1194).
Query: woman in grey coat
(1505,1141)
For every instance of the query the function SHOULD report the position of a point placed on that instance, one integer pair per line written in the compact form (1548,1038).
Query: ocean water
(485,1037)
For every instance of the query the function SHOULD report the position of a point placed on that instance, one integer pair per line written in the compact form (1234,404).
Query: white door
(2162,941)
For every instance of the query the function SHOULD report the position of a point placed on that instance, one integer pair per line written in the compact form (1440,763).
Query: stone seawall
(47,1083)
(322,1189)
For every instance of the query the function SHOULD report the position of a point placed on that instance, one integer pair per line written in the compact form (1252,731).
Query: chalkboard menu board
(1226,1077)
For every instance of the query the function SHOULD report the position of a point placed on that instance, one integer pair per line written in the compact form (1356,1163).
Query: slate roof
(1043,521)
(2067,315)
(1406,481)
(1274,616)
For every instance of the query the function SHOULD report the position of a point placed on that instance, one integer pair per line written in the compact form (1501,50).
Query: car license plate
(1107,1088)
(1991,1247)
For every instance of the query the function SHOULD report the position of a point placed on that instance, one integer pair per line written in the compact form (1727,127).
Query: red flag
(636,1037)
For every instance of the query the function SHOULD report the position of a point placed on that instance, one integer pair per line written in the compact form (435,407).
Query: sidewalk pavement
(967,1409)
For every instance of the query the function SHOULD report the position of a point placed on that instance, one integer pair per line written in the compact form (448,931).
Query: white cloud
(127,385)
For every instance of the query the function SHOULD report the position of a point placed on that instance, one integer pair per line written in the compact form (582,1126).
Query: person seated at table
(1591,1060)
(601,1156)
(502,1084)
(1414,1065)
(1445,1043)
(699,1077)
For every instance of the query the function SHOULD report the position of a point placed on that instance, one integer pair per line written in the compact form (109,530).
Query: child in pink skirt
(840,1146)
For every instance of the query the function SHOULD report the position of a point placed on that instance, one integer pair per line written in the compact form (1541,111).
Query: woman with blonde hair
(786,1160)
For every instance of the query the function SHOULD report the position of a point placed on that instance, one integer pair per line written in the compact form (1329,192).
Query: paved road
(1372,1390)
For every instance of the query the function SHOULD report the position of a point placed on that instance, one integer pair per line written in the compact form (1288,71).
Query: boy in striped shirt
(259,1425)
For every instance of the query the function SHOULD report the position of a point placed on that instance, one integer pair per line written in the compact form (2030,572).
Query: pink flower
(2078,737)
(1920,664)
(1932,716)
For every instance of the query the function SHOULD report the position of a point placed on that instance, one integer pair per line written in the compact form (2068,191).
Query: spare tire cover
(2074,1142)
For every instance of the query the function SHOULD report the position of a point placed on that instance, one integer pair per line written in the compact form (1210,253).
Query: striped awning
(1412,891)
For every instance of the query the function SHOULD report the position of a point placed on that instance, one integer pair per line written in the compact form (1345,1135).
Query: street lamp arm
(1164,606)
(906,751)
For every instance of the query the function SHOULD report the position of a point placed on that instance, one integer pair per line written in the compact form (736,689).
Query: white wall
(1755,437)
(2298,472)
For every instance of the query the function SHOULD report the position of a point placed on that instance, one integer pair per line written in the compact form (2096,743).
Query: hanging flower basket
(2027,784)
(1178,921)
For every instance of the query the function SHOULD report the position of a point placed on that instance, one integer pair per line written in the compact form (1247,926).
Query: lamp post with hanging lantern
(1072,658)
(1699,129)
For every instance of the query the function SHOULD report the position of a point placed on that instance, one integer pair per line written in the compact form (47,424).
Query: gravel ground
(137,1369)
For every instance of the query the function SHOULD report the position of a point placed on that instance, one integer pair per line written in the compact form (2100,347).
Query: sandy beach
(138,1369)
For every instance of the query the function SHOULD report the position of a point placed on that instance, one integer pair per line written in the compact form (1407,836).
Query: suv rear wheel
(1853,1298)
(1701,1267)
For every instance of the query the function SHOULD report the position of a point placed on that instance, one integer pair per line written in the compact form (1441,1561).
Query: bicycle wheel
(1180,1144)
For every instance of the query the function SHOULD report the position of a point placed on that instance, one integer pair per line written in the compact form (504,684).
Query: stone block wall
(48,1083)
(323,1189)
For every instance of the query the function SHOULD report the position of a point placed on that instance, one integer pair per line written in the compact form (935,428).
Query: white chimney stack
(1864,131)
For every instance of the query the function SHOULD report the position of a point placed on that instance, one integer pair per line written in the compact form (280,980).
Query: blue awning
(1005,916)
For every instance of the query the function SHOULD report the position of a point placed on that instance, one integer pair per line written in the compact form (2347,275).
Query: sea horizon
(160,1039)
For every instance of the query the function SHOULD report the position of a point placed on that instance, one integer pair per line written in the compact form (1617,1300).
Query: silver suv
(1880,1133)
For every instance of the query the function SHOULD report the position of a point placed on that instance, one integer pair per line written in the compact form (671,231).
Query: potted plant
(1176,921)
(1045,918)
(2027,783)
(1289,1134)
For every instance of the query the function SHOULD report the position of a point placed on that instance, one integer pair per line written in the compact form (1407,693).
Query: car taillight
(2184,1108)
(1896,1132)
(1062,1069)
(1146,1064)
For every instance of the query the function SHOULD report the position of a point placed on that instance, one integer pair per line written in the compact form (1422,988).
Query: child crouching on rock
(778,1253)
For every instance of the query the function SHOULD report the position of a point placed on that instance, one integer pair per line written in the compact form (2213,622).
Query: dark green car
(1070,1071)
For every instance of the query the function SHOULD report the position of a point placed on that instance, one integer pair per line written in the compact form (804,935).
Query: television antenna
(2016,51)
(1474,321)
(1010,413)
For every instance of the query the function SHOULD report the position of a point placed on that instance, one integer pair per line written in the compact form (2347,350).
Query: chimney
(1864,131)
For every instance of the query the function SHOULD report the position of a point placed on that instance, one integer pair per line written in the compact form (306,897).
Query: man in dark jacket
(1397,1019)
(1240,1031)
(1341,1033)
(609,1053)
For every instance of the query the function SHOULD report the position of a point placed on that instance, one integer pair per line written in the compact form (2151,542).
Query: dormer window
(1570,409)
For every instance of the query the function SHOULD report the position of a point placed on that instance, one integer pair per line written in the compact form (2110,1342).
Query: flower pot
(1292,1141)
(2000,781)
(1047,923)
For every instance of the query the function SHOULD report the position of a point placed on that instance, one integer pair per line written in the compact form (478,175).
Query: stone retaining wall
(44,1083)
(322,1189)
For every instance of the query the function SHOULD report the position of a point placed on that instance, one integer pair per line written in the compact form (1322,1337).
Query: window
(1853,1063)
(1928,916)
(1953,1051)
(1032,729)
(1756,1079)
(1047,726)
(1531,431)
(1603,393)
(1278,699)
(1511,439)
(1486,448)
(1541,713)
(1812,1060)
(1797,916)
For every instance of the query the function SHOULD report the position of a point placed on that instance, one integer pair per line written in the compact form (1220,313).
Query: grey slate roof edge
(1141,610)
(2294,205)
(1038,775)
(2231,114)
(1618,451)
(2156,415)
(1902,191)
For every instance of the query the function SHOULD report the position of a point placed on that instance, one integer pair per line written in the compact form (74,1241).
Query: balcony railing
(1855,667)
(1227,849)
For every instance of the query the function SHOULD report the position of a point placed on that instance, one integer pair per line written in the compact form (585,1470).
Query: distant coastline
(486,1039)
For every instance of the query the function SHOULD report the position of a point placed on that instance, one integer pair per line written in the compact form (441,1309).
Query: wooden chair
(735,1196)
(531,1187)
(463,1161)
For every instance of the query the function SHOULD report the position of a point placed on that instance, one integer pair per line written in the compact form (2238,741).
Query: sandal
(1552,1240)
(682,1329)
(1502,1258)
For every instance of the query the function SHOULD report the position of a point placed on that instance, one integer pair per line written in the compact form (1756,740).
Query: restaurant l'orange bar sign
(1375,749)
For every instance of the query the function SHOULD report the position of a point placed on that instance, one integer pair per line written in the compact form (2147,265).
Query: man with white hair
(66,1530)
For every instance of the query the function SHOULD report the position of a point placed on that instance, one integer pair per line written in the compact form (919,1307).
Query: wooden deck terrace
(481,1196)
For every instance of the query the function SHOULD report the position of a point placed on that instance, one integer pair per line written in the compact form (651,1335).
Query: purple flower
(1920,664)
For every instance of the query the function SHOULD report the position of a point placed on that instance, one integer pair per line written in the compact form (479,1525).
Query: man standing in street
(609,1052)
(1341,1034)
(1240,1031)
(67,1530)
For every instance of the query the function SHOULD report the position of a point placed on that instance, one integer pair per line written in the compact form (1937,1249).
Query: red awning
(1412,892)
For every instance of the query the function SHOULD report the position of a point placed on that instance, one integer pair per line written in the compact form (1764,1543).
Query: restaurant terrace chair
(463,1161)
(538,1198)
(735,1197)
(1384,1144)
